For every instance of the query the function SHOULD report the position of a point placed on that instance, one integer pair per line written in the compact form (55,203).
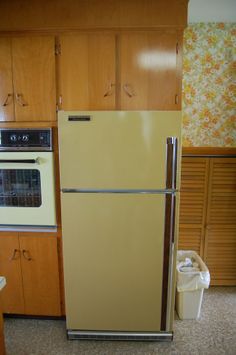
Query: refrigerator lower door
(113,261)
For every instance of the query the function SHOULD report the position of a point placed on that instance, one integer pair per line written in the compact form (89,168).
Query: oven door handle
(20,161)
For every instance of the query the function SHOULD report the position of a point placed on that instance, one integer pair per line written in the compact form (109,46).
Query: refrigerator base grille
(133,336)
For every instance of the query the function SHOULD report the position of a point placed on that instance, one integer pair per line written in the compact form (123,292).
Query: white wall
(212,11)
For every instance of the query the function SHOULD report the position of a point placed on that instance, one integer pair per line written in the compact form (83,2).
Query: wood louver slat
(220,254)
(190,238)
(208,214)
(194,179)
(220,242)
(222,192)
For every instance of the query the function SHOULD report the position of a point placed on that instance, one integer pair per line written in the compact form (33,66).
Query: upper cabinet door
(33,60)
(87,72)
(6,88)
(149,71)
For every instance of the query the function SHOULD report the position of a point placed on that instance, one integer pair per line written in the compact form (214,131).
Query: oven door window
(20,188)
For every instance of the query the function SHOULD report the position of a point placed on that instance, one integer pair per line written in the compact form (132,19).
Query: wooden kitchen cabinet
(87,72)
(27,78)
(2,340)
(208,214)
(127,71)
(6,88)
(30,264)
(150,72)
(12,297)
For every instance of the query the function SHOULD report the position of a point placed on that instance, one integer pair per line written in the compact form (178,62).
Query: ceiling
(212,11)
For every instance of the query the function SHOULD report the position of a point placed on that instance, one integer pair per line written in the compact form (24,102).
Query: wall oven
(27,191)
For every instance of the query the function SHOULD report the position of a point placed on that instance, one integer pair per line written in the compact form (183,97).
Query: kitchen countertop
(2,282)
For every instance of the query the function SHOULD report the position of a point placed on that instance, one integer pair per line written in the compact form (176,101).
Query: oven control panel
(26,139)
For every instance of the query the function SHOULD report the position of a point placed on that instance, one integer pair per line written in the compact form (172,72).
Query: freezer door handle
(171,162)
(79,118)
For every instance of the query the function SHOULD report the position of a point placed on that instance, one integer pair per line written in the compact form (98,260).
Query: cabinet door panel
(87,72)
(6,88)
(40,275)
(148,65)
(11,296)
(34,78)
(222,192)
(220,252)
(193,203)
(220,242)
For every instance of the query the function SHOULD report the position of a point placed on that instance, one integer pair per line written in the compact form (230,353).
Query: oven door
(27,192)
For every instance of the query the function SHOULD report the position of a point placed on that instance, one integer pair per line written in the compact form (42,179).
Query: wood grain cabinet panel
(34,78)
(87,72)
(2,340)
(12,297)
(27,79)
(40,275)
(30,264)
(127,71)
(6,85)
(149,71)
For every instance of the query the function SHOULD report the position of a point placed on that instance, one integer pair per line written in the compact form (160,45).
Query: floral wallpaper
(209,85)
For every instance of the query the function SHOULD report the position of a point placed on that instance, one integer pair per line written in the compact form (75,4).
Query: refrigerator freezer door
(116,149)
(113,243)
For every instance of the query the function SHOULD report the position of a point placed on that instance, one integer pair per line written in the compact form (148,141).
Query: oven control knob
(25,138)
(13,138)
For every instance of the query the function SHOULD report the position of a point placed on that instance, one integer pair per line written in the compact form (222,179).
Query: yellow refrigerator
(119,195)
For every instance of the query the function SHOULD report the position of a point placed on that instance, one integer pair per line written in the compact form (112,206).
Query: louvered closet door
(220,242)
(194,180)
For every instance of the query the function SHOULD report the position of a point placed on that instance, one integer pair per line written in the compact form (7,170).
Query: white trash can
(192,277)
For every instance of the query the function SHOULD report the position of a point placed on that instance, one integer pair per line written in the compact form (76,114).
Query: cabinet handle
(110,90)
(26,254)
(128,90)
(20,100)
(176,99)
(14,255)
(7,101)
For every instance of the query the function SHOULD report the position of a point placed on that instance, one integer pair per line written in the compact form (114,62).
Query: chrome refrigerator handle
(171,162)
(169,236)
(170,204)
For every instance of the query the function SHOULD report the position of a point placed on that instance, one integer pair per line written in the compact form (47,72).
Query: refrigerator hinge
(59,103)
(57,49)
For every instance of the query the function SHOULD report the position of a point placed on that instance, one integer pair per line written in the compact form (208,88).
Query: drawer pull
(26,255)
(7,101)
(14,255)
(20,100)
(128,90)
(110,90)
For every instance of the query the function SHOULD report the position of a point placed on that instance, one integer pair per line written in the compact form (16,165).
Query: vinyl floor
(214,333)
